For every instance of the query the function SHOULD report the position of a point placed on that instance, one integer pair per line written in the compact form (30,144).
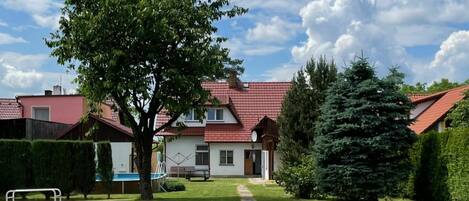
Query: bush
(44,165)
(441,167)
(85,169)
(170,186)
(300,180)
(15,165)
(105,165)
(63,163)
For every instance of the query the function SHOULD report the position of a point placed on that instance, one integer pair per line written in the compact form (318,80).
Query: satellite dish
(253,136)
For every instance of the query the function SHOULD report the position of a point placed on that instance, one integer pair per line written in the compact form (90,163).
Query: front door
(252,162)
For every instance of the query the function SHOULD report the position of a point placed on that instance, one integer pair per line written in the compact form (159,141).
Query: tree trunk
(143,145)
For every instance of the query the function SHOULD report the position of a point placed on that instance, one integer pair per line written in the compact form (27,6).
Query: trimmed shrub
(85,168)
(105,165)
(44,165)
(457,154)
(15,165)
(63,163)
(300,180)
(170,186)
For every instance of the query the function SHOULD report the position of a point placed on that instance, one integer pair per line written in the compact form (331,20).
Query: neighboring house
(430,110)
(222,142)
(56,115)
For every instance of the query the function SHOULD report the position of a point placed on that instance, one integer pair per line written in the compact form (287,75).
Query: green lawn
(213,190)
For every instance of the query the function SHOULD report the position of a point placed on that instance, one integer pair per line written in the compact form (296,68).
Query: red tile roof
(9,109)
(250,105)
(444,102)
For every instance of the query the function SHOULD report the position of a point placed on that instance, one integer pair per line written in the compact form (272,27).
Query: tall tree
(459,116)
(300,110)
(362,138)
(146,55)
(443,84)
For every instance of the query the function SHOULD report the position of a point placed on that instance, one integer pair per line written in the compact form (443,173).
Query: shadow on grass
(200,180)
(209,198)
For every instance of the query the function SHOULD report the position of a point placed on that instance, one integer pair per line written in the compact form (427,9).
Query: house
(431,109)
(222,142)
(54,115)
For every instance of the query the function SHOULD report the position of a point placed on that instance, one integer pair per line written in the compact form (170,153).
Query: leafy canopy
(459,116)
(147,54)
(362,139)
(436,86)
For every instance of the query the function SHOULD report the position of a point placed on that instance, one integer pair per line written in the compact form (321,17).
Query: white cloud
(382,30)
(23,61)
(282,73)
(240,48)
(274,31)
(451,61)
(9,39)
(44,12)
(16,78)
(283,6)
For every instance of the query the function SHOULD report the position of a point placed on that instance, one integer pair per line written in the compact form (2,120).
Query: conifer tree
(362,140)
(300,110)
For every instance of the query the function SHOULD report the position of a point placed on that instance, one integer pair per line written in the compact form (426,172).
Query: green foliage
(64,163)
(299,180)
(85,170)
(15,165)
(421,88)
(171,186)
(104,169)
(442,166)
(147,56)
(363,138)
(300,110)
(459,116)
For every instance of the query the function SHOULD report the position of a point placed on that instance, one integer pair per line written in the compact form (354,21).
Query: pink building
(66,109)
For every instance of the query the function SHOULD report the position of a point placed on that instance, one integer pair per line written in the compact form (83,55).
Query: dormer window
(215,114)
(190,116)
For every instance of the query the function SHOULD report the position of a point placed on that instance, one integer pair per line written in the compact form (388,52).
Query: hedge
(441,167)
(47,163)
(105,165)
(85,169)
(15,168)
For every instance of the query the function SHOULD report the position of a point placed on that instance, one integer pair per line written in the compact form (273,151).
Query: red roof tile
(445,101)
(250,105)
(9,109)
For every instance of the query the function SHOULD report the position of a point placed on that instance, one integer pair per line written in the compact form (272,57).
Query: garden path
(244,193)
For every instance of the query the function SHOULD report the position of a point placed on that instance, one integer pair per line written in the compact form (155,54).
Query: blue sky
(429,39)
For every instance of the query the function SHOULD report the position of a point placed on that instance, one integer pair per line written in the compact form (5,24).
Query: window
(226,157)
(201,155)
(190,116)
(40,113)
(215,115)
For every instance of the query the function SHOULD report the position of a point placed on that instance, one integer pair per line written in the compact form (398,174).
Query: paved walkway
(260,181)
(245,194)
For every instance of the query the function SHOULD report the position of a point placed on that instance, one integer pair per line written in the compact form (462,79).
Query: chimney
(234,81)
(57,90)
(47,92)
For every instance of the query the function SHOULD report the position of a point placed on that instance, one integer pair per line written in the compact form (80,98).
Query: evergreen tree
(104,169)
(362,138)
(300,110)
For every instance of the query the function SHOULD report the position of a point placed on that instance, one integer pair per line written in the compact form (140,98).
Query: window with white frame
(215,114)
(190,116)
(40,113)
(201,155)
(226,157)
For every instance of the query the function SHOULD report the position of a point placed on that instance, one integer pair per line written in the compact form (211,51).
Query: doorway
(252,162)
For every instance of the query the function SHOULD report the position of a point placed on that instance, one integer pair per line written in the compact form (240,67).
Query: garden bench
(11,193)
(192,172)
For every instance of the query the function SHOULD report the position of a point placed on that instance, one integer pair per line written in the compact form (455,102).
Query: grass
(212,190)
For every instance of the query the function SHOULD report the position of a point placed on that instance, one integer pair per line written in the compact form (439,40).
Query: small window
(215,114)
(226,157)
(190,116)
(201,155)
(41,113)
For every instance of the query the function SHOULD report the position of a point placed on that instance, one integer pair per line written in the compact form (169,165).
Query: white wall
(419,108)
(121,156)
(277,161)
(182,149)
(237,169)
(228,118)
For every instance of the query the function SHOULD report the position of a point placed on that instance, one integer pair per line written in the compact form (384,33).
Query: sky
(427,39)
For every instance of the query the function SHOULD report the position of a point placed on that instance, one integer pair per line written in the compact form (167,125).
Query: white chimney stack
(57,90)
